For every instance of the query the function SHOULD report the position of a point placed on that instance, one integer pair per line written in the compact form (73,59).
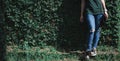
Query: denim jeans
(93,22)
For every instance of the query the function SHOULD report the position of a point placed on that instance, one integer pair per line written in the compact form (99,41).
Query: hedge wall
(111,28)
(55,22)
(32,21)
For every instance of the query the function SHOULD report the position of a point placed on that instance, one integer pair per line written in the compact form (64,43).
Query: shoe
(87,55)
(94,52)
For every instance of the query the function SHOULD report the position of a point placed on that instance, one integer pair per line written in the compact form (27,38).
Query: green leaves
(112,27)
(35,21)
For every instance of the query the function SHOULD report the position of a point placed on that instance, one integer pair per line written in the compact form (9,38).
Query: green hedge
(55,22)
(32,21)
(111,28)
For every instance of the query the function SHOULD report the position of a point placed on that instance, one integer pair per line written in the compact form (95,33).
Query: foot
(94,52)
(87,55)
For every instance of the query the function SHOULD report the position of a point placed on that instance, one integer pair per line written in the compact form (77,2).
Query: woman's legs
(94,30)
(98,19)
(91,25)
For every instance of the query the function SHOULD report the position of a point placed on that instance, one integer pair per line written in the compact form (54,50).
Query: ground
(105,53)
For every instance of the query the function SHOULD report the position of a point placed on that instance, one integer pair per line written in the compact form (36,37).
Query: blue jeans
(93,22)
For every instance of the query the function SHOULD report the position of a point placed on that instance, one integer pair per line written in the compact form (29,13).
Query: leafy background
(40,23)
(35,28)
(54,21)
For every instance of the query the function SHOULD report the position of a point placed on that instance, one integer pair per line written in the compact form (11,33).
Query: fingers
(106,15)
(81,19)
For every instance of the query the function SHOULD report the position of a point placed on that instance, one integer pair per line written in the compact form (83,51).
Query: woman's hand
(81,18)
(106,15)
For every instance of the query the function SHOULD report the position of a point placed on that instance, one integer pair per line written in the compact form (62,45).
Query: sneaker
(94,52)
(87,55)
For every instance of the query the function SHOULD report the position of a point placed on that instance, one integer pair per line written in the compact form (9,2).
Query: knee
(92,30)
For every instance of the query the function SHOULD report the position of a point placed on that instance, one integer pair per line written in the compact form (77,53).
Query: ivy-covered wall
(32,21)
(55,22)
(111,28)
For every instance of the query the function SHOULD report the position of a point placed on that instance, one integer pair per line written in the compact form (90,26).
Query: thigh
(98,19)
(90,21)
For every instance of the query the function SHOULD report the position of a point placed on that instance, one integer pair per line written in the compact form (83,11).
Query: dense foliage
(32,21)
(55,22)
(111,28)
